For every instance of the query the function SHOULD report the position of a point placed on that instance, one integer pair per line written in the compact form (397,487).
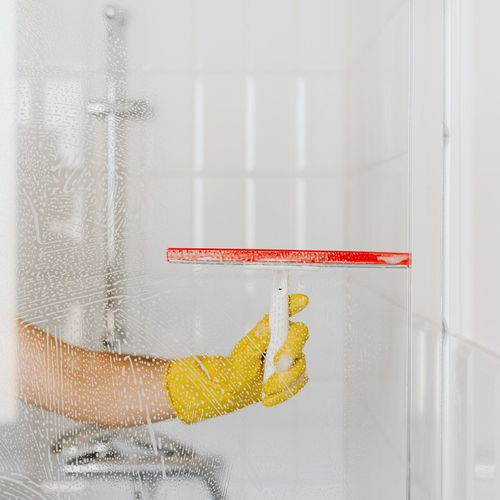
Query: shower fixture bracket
(127,109)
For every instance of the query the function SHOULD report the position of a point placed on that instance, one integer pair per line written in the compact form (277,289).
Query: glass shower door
(228,124)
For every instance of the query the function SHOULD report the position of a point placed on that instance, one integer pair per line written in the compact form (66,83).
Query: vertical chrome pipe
(116,69)
(116,109)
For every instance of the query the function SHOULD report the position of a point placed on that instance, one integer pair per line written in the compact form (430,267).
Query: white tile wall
(378,85)
(272,43)
(471,445)
(325,123)
(224,123)
(275,123)
(220,34)
(168,142)
(472,415)
(324,212)
(160,35)
(322,34)
(223,213)
(377,206)
(369,20)
(275,213)
(475,146)
(161,214)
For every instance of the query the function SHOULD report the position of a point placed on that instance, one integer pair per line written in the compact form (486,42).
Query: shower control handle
(127,109)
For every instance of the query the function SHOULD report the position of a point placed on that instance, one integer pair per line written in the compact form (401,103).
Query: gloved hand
(201,387)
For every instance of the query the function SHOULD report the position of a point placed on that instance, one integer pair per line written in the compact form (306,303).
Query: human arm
(98,387)
(122,390)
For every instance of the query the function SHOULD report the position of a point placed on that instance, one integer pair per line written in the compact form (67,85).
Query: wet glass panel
(120,150)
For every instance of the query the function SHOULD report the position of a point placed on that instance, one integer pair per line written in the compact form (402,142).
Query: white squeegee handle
(278,319)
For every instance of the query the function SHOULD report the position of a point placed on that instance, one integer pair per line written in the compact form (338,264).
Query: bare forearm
(101,388)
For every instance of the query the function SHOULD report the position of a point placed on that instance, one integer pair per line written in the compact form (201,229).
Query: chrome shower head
(114,13)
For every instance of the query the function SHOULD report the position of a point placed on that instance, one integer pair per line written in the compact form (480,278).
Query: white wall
(472,469)
(474,143)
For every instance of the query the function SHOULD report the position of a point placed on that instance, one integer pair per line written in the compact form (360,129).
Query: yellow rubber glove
(201,387)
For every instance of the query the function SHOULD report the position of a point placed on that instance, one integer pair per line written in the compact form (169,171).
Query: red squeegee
(281,260)
(287,257)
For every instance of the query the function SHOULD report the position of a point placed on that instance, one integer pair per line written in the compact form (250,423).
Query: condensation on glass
(225,124)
